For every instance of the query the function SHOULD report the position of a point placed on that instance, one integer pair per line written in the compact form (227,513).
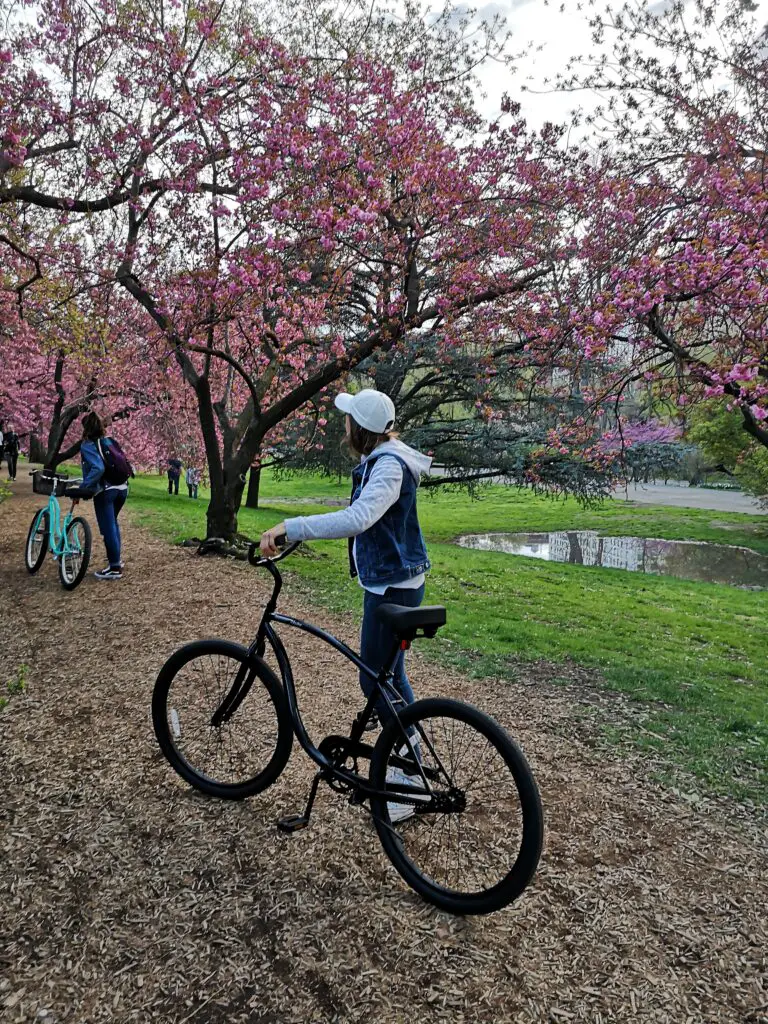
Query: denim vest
(392,550)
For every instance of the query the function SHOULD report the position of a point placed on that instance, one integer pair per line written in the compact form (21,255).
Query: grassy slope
(695,651)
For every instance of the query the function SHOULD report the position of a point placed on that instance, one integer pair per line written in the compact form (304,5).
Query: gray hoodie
(381,491)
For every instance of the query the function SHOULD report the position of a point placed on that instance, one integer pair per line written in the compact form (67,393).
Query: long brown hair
(93,426)
(362,441)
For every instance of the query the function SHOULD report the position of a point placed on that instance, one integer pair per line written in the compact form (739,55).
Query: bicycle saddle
(405,621)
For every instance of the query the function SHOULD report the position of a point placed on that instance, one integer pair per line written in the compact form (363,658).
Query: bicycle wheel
(222,719)
(473,844)
(74,559)
(37,541)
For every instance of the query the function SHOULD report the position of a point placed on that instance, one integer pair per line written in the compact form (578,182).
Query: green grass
(16,685)
(693,653)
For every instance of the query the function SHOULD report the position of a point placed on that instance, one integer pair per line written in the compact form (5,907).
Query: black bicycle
(452,798)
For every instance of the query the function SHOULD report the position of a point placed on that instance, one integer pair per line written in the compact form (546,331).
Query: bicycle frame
(382,680)
(58,539)
(57,528)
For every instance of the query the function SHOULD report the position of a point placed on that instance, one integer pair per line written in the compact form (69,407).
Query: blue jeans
(377,642)
(107,505)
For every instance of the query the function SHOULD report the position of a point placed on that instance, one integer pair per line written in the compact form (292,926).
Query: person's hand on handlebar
(77,492)
(269,540)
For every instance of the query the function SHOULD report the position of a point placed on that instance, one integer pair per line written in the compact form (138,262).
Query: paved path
(690,497)
(679,496)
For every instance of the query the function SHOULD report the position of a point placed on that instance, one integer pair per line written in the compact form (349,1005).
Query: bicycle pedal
(292,823)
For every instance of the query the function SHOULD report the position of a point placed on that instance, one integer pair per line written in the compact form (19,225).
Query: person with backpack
(11,449)
(174,474)
(106,472)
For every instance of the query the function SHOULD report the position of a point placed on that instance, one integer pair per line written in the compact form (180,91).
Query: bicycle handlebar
(258,560)
(52,473)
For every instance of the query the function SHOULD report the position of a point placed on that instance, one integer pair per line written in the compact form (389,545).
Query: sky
(548,38)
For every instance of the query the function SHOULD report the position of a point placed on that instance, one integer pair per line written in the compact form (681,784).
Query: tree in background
(492,423)
(64,353)
(720,434)
(671,287)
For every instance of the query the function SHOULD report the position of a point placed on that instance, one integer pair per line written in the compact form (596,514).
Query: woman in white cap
(386,546)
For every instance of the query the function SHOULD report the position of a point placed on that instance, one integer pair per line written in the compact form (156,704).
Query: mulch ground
(125,896)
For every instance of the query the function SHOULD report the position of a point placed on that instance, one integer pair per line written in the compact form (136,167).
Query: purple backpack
(117,468)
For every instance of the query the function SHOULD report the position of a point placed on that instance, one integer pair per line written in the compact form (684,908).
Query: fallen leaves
(124,896)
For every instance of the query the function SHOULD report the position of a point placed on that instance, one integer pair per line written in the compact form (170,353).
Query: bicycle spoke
(471,848)
(233,751)
(72,550)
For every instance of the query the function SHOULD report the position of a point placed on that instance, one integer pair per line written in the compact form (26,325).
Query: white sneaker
(399,812)
(405,751)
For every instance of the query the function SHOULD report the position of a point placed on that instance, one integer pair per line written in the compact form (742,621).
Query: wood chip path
(125,896)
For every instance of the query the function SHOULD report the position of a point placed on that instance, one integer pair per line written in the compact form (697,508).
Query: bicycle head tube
(269,564)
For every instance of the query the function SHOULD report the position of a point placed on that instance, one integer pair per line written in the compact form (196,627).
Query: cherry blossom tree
(279,221)
(670,289)
(282,214)
(63,354)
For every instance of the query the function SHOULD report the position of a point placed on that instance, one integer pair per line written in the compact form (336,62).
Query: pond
(686,559)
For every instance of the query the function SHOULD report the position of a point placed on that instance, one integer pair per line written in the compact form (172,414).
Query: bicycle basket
(44,483)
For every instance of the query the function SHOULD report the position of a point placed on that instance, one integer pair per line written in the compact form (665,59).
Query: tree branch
(37,276)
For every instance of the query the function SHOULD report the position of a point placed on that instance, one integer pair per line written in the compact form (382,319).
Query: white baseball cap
(370,409)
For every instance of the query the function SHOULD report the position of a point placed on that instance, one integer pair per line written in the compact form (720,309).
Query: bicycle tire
(165,724)
(38,530)
(68,580)
(407,842)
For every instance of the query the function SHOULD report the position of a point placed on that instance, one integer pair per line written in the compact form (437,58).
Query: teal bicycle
(68,538)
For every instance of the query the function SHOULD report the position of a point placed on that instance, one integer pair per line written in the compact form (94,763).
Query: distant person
(11,450)
(174,475)
(105,475)
(193,481)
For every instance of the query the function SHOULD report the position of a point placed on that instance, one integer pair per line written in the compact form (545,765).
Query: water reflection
(688,560)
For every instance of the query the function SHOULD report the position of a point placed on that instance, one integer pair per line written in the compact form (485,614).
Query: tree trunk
(65,456)
(223,508)
(228,465)
(36,451)
(52,455)
(221,518)
(254,480)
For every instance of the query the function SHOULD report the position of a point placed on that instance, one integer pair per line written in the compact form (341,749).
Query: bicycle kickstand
(296,822)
